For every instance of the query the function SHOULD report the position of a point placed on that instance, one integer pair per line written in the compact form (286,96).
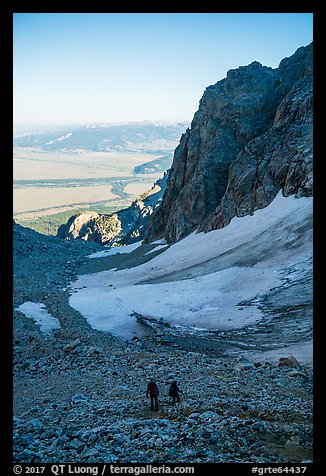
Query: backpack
(152,388)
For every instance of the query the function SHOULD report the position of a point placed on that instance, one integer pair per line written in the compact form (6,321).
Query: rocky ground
(79,395)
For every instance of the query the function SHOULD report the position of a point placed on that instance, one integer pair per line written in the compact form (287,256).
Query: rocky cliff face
(125,226)
(250,138)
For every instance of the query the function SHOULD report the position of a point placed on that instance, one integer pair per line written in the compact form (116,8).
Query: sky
(130,67)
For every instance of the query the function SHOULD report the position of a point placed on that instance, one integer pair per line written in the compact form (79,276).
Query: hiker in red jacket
(152,390)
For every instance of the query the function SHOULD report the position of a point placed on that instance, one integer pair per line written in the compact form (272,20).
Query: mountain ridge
(146,136)
(251,137)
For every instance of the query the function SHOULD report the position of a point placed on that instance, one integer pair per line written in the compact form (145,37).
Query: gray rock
(37,424)
(77,444)
(259,425)
(88,452)
(71,347)
(80,398)
(244,364)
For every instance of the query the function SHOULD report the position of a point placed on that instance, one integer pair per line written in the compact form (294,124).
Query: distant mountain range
(130,137)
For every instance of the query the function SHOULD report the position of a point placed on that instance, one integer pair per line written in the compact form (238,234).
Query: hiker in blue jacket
(152,391)
(174,391)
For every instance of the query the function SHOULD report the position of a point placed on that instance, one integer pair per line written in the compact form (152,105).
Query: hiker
(174,392)
(152,391)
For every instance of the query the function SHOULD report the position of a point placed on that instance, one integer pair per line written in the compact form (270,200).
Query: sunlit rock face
(126,226)
(250,138)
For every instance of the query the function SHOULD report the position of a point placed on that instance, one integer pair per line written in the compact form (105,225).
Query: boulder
(290,361)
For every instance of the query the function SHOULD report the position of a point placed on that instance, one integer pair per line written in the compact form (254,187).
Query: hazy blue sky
(113,67)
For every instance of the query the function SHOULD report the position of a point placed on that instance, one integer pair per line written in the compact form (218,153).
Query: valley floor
(52,182)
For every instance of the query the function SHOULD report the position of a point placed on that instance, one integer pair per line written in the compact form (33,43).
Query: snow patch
(160,242)
(39,314)
(115,250)
(159,247)
(59,139)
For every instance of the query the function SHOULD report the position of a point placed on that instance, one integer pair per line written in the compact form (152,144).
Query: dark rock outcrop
(124,227)
(251,137)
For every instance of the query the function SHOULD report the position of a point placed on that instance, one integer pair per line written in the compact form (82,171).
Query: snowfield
(202,281)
